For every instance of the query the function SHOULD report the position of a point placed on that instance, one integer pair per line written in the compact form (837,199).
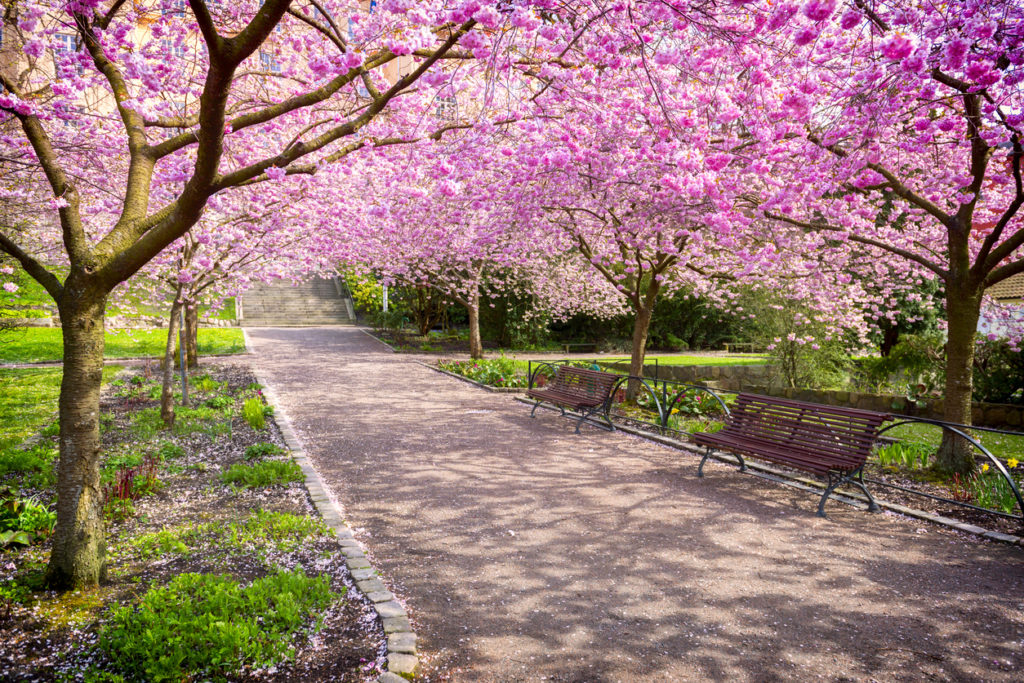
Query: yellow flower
(984,467)
(1012,462)
(675,410)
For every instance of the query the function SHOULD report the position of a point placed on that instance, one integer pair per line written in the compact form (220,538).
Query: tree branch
(33,267)
(909,255)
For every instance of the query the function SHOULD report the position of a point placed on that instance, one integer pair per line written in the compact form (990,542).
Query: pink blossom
(10,287)
(819,10)
(897,46)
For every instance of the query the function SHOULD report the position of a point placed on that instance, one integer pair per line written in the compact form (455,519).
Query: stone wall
(758,379)
(733,377)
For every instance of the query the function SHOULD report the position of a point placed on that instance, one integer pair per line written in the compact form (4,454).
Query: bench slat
(814,438)
(577,388)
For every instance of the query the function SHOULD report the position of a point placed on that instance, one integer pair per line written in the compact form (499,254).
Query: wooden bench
(580,347)
(586,391)
(826,441)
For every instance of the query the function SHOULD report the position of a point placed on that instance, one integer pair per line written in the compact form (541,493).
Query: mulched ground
(56,637)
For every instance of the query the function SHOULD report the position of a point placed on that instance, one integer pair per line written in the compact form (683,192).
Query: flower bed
(493,372)
(219,567)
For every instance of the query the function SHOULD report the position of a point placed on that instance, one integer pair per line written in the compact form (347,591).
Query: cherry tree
(430,218)
(115,98)
(915,109)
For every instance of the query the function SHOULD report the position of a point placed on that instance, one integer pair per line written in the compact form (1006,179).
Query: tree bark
(641,326)
(78,555)
(963,308)
(167,393)
(192,335)
(476,346)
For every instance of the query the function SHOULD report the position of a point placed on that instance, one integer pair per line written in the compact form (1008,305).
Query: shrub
(252,410)
(259,451)
(34,464)
(128,485)
(263,474)
(206,384)
(23,520)
(905,455)
(495,372)
(998,373)
(169,451)
(219,402)
(202,626)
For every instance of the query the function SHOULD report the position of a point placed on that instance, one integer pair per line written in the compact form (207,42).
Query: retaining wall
(758,379)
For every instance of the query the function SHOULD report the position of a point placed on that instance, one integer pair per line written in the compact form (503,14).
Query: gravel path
(527,553)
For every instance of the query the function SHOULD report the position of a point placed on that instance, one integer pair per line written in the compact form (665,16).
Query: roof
(1010,288)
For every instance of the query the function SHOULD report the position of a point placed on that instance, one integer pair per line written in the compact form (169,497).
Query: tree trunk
(476,346)
(963,308)
(78,555)
(192,335)
(890,335)
(641,326)
(167,394)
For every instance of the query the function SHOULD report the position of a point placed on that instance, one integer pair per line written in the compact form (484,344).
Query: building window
(174,8)
(447,107)
(65,53)
(269,62)
(169,48)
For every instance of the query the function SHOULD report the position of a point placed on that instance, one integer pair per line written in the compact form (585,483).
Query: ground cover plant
(494,372)
(208,578)
(36,344)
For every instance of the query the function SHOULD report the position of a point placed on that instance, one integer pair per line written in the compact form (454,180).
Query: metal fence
(660,397)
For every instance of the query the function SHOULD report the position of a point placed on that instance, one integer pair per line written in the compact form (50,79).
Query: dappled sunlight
(523,550)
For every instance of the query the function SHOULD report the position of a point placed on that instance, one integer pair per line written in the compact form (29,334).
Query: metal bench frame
(826,441)
(589,392)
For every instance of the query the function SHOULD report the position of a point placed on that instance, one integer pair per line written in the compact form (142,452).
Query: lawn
(732,359)
(1003,446)
(30,344)
(28,400)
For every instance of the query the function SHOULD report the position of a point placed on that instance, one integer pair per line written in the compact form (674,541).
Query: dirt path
(527,553)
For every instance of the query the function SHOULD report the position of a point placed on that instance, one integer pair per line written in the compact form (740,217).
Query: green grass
(33,344)
(731,359)
(1003,446)
(28,401)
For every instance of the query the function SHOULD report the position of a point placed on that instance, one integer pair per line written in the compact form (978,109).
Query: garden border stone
(402,659)
(803,483)
(494,390)
(371,335)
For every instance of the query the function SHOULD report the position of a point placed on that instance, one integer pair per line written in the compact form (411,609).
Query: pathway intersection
(524,552)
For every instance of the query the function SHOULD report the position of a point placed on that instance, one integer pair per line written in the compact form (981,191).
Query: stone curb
(402,657)
(789,479)
(247,341)
(494,390)
(374,337)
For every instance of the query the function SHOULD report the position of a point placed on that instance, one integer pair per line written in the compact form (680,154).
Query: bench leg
(859,481)
(700,469)
(535,406)
(828,492)
(707,454)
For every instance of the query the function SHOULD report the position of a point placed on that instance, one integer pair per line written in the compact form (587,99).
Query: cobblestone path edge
(402,657)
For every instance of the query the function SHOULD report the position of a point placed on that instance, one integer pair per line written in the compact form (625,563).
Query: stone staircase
(312,303)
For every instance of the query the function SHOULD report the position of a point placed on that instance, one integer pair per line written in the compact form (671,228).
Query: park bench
(579,347)
(585,391)
(826,441)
